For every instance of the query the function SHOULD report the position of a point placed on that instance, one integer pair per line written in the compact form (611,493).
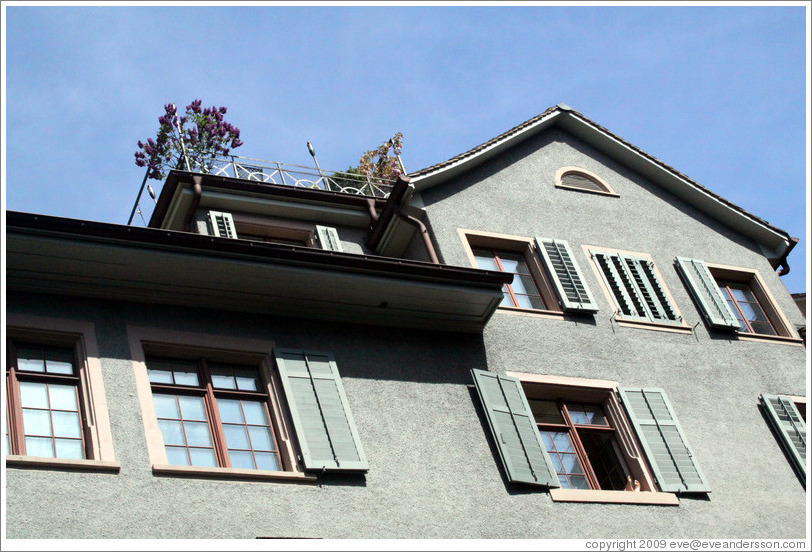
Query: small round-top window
(580,179)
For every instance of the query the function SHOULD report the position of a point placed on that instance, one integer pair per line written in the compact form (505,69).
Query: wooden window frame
(604,393)
(517,245)
(80,336)
(678,326)
(156,342)
(563,171)
(780,323)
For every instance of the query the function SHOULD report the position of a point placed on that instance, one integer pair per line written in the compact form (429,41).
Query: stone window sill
(233,473)
(17,461)
(614,497)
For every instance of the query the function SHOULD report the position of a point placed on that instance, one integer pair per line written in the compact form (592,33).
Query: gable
(775,243)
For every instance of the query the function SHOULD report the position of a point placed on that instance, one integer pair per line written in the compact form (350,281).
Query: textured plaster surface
(434,471)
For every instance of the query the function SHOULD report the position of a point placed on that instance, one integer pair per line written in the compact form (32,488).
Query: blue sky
(719,93)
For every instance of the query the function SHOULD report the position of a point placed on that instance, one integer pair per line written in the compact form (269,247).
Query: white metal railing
(273,172)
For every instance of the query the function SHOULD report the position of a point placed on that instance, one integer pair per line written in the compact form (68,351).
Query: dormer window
(574,178)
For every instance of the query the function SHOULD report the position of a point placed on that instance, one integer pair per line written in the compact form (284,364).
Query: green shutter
(787,421)
(328,238)
(705,292)
(514,429)
(568,281)
(222,225)
(663,440)
(321,414)
(618,280)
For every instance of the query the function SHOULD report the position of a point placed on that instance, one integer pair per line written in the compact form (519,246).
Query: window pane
(34,395)
(570,463)
(160,376)
(546,412)
(578,482)
(59,361)
(197,434)
(236,437)
(186,378)
(69,448)
(230,411)
(66,424)
(36,422)
(177,456)
(260,438)
(562,442)
(166,406)
(255,413)
(63,397)
(484,260)
(172,432)
(203,457)
(37,446)
(247,383)
(267,461)
(241,459)
(30,360)
(762,327)
(192,408)
(223,381)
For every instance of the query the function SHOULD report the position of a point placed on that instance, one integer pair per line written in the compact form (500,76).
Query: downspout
(783,264)
(197,190)
(424,233)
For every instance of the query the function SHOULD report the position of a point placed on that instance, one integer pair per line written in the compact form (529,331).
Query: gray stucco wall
(434,472)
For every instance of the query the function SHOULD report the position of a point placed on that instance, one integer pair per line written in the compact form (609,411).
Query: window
(582,180)
(733,298)
(589,440)
(546,276)
(582,445)
(237,410)
(55,412)
(213,414)
(633,284)
(270,230)
(787,416)
(523,291)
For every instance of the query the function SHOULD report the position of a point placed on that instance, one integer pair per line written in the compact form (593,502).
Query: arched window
(574,178)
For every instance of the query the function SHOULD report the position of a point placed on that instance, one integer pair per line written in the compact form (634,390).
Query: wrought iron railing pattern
(272,172)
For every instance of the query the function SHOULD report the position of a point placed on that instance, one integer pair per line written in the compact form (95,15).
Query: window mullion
(579,448)
(215,424)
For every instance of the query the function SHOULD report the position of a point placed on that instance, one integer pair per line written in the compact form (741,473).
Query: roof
(778,241)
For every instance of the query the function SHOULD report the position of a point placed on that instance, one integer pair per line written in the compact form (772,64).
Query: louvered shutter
(788,423)
(321,414)
(705,292)
(222,225)
(514,429)
(663,440)
(568,281)
(637,290)
(328,238)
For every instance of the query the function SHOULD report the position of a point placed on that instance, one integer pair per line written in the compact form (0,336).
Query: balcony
(273,172)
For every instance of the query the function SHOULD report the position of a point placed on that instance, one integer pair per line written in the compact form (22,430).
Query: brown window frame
(209,393)
(14,408)
(518,246)
(574,430)
(752,279)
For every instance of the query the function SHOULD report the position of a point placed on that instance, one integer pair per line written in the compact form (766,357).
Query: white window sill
(14,460)
(739,336)
(233,473)
(614,497)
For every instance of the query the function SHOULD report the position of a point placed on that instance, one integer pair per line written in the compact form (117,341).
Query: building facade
(552,335)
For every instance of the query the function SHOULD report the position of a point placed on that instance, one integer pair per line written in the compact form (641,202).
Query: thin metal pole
(138,198)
